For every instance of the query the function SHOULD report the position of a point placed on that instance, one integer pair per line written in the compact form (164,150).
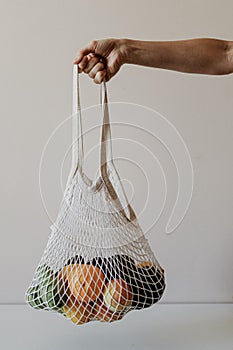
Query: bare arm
(203,56)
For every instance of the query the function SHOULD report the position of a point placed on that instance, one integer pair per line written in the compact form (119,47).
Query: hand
(101,58)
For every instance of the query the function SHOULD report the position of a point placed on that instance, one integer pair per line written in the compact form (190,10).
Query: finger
(83,63)
(78,59)
(91,55)
(97,67)
(92,63)
(108,76)
(99,77)
(90,48)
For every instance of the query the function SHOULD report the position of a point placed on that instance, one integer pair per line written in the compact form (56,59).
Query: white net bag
(97,264)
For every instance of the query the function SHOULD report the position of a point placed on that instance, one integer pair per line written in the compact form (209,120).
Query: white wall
(39,41)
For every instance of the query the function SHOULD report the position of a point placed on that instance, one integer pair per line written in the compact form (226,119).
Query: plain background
(39,42)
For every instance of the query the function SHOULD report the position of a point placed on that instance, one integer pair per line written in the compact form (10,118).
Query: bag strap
(77,137)
(107,167)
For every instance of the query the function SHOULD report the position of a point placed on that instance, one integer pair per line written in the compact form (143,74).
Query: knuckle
(84,61)
(90,57)
(91,74)
(99,76)
(93,43)
(97,80)
(82,66)
(94,60)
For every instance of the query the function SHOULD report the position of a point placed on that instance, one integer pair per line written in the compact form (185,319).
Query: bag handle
(77,134)
(108,171)
(107,167)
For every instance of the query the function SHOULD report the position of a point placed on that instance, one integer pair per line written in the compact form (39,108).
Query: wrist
(129,50)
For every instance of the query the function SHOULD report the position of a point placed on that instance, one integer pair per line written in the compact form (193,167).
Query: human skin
(103,58)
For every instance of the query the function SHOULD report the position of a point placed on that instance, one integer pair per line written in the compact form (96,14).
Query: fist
(102,59)
(94,66)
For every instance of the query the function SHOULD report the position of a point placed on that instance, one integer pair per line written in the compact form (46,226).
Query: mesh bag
(97,264)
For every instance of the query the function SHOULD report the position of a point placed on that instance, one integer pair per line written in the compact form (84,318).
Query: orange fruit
(85,282)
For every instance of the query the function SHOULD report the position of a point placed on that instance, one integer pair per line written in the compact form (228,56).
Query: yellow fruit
(105,315)
(117,295)
(145,264)
(78,314)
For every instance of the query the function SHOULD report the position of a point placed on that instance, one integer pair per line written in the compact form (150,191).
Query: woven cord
(77,137)
(107,165)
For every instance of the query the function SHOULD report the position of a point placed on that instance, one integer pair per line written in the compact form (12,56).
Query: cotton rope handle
(77,137)
(107,166)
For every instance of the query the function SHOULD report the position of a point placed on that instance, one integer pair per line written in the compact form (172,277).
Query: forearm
(204,56)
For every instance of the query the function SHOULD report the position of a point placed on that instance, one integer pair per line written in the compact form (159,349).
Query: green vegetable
(46,293)
(50,295)
(33,298)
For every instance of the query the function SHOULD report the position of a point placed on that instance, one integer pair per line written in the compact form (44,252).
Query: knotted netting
(97,264)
